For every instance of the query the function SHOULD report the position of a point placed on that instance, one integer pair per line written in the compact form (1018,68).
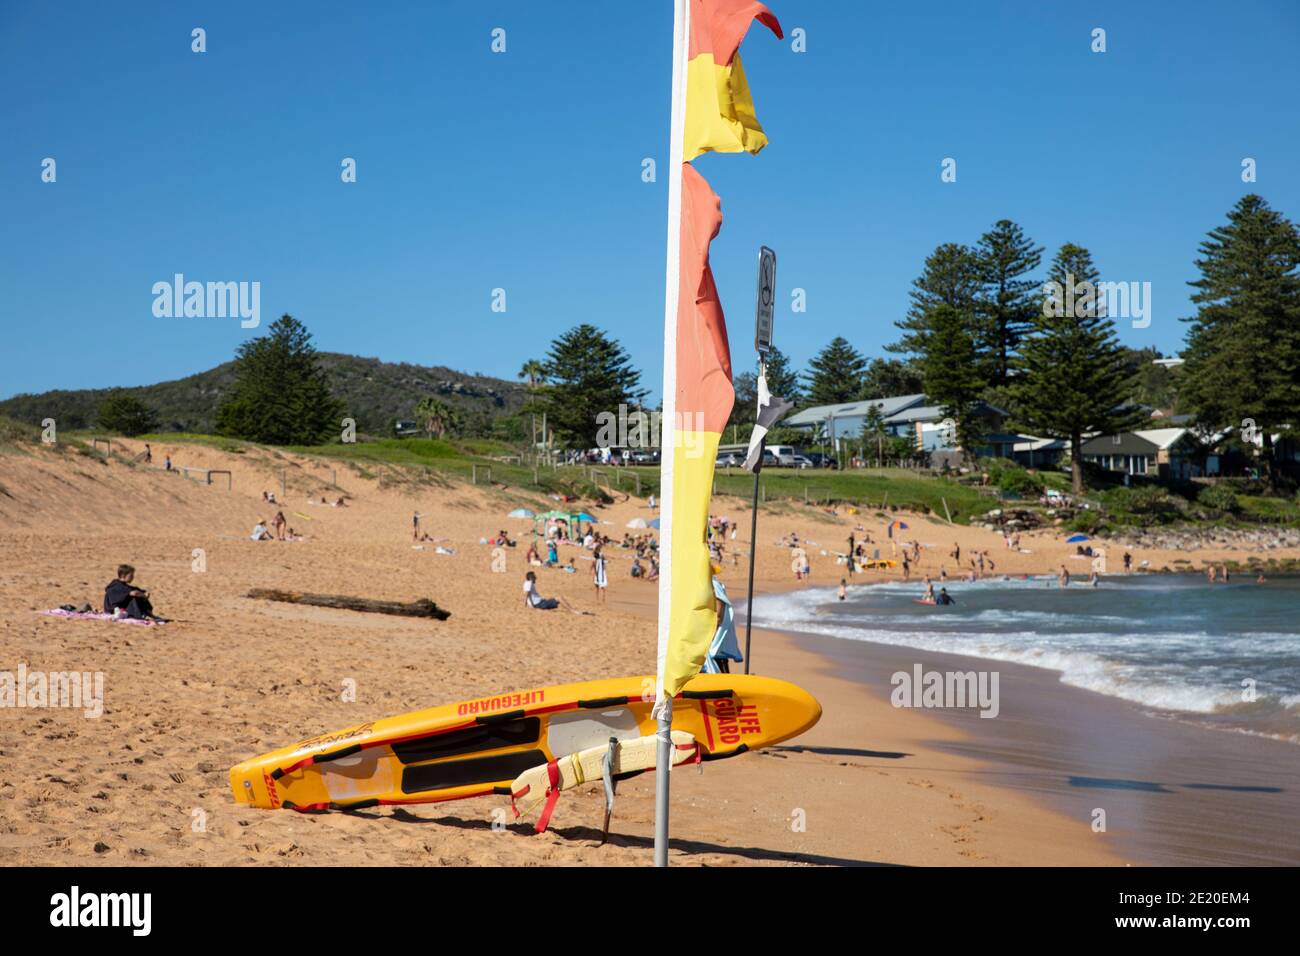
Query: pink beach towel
(94,616)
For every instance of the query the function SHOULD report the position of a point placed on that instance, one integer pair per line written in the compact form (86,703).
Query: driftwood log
(421,608)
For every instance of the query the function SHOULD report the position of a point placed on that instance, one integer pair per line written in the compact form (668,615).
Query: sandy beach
(233,677)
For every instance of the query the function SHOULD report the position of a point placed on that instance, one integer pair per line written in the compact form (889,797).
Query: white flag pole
(668,421)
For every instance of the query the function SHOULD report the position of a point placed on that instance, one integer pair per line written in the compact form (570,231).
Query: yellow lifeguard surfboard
(477,747)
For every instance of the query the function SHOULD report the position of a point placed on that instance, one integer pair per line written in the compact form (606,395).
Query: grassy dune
(416,461)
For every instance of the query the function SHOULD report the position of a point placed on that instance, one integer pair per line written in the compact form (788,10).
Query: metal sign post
(765,302)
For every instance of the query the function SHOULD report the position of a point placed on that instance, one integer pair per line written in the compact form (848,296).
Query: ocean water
(1173,643)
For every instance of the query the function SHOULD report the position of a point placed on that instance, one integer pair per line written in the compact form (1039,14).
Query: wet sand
(1173,793)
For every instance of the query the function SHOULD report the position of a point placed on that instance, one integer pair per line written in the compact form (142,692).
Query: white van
(785,454)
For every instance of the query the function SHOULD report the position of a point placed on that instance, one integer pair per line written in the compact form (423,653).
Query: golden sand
(232,677)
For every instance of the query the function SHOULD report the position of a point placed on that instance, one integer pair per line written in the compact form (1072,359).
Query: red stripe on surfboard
(460,796)
(708,725)
(317,807)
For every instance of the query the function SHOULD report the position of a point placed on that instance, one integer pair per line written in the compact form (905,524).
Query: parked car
(820,460)
(729,459)
(799,461)
(784,454)
(644,456)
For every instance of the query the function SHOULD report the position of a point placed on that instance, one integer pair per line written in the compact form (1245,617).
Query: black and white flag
(771,409)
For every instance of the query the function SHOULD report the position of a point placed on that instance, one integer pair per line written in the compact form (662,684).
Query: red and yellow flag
(719,109)
(719,116)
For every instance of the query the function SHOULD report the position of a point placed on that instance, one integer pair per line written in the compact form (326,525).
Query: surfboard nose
(801,702)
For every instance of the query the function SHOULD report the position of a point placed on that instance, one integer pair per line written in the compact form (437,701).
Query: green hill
(374,392)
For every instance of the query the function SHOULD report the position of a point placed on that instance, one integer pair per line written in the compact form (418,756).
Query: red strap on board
(514,795)
(552,795)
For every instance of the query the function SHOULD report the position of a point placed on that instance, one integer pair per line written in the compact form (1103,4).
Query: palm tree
(436,415)
(534,372)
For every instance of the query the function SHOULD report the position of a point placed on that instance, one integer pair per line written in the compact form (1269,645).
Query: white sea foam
(1186,668)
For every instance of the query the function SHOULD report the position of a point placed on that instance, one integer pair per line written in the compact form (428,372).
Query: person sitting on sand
(636,570)
(533,599)
(552,554)
(259,532)
(123,599)
(341,503)
(533,557)
(654,570)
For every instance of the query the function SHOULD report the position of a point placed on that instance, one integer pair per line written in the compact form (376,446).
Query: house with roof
(1034,452)
(847,419)
(1158,452)
(904,416)
(1226,455)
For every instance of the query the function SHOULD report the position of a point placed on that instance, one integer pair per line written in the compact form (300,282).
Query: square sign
(766,300)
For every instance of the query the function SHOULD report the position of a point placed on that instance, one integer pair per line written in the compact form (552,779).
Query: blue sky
(522,170)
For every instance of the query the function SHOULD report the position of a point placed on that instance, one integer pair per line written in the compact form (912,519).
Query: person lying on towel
(121,598)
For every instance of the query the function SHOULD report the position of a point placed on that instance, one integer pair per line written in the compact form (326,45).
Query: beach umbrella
(636,523)
(652,523)
(583,516)
(1076,538)
(896,526)
(522,513)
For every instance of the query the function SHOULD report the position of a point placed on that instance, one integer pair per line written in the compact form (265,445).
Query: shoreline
(929,803)
(1174,792)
